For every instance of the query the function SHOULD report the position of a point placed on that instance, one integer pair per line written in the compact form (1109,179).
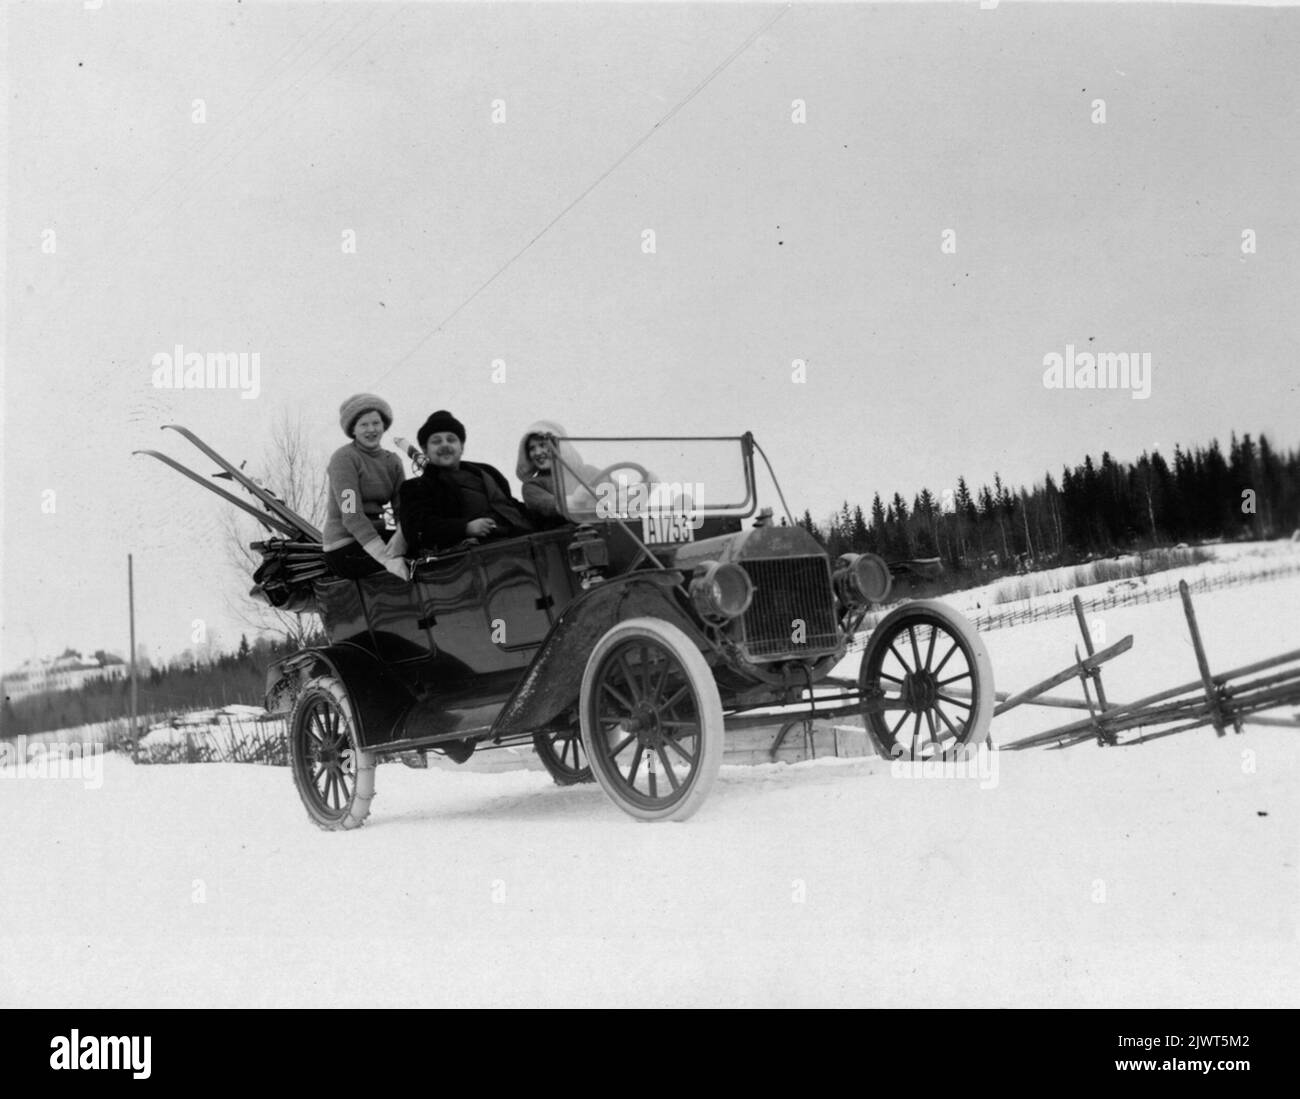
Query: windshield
(598,479)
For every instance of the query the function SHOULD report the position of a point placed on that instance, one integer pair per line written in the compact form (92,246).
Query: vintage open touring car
(622,644)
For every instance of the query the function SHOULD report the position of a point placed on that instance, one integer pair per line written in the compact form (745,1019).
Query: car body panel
(491,640)
(554,678)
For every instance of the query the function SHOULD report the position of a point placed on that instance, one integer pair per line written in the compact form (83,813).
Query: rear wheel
(334,777)
(652,721)
(928,668)
(563,755)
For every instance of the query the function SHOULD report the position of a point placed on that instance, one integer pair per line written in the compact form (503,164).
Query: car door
(517,608)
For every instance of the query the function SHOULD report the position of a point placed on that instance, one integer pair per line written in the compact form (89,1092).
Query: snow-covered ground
(237,733)
(1156,875)
(235,714)
(1235,559)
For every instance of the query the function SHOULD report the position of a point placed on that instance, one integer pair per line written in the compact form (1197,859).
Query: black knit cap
(440,421)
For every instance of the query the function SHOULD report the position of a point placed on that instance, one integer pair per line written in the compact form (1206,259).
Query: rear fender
(379,699)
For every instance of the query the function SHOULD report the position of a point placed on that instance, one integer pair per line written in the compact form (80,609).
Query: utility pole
(130,597)
(1024,514)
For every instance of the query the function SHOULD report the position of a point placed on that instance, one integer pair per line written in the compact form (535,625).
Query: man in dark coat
(453,499)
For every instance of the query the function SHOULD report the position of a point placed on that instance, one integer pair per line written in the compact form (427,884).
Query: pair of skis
(278,516)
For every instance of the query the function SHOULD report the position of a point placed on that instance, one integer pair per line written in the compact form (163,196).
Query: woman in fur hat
(363,480)
(535,469)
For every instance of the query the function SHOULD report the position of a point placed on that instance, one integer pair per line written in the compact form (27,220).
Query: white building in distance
(67,672)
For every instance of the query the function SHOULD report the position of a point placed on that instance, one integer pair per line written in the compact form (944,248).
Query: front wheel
(928,682)
(651,720)
(334,777)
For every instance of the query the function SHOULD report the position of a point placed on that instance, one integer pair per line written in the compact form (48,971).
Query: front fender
(554,678)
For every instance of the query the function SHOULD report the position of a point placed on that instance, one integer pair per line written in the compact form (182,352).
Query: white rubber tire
(708,710)
(353,808)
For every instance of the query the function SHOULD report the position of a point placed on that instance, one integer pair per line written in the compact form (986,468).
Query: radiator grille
(786,590)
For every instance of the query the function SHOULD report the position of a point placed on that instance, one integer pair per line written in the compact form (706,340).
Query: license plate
(661,528)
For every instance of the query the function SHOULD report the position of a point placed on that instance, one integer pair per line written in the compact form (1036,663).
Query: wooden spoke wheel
(928,681)
(651,720)
(563,755)
(334,777)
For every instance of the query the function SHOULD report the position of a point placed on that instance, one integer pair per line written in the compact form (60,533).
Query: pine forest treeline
(1097,508)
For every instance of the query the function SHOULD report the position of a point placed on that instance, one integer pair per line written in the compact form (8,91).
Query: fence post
(1211,692)
(1087,644)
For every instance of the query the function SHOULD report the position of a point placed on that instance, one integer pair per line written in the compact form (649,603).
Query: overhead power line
(591,187)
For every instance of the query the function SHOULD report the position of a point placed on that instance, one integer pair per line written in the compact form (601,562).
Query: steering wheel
(606,474)
(581,499)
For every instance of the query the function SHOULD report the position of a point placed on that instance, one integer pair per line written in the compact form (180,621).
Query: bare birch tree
(294,469)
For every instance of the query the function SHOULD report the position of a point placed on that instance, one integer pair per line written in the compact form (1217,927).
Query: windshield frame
(567,479)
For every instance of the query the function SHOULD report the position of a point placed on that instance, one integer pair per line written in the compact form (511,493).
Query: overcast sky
(775,240)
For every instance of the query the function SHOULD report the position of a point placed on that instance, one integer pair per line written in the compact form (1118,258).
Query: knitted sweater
(361,483)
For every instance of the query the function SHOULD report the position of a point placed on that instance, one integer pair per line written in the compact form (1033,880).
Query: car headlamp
(862,578)
(721,591)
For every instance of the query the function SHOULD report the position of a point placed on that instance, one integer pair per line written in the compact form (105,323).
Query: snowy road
(1162,874)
